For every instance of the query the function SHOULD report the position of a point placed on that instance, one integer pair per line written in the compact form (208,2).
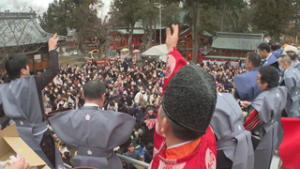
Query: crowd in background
(127,84)
(130,89)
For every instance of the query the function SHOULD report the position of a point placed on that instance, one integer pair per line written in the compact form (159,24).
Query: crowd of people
(128,84)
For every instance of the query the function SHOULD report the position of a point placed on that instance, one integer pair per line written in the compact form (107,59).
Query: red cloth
(252,120)
(204,157)
(174,62)
(289,149)
(150,123)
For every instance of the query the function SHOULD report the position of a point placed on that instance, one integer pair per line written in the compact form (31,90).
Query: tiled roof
(204,33)
(237,41)
(17,29)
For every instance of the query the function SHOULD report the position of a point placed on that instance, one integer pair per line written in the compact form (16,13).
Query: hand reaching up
(172,39)
(53,42)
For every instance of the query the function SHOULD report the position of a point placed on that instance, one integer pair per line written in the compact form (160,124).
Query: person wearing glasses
(264,112)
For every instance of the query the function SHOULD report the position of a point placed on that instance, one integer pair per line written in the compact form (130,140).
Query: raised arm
(175,61)
(46,77)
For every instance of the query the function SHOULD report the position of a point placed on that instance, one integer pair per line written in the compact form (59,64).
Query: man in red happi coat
(188,103)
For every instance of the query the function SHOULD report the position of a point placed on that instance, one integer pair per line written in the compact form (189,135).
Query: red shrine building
(118,39)
(185,44)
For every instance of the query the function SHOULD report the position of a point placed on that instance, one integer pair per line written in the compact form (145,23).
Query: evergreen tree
(126,14)
(272,16)
(54,19)
(80,15)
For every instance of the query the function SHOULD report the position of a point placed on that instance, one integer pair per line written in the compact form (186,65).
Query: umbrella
(125,50)
(158,50)
(136,51)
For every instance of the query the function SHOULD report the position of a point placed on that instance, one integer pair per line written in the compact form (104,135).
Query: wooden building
(118,39)
(185,44)
(21,33)
(235,44)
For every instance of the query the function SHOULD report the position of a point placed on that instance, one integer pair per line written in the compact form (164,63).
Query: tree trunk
(79,47)
(106,50)
(222,21)
(60,49)
(144,41)
(150,32)
(100,54)
(277,35)
(296,32)
(130,35)
(196,14)
(154,31)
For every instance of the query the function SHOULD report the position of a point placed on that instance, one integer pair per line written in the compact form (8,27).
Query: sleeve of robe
(174,62)
(112,135)
(46,77)
(290,84)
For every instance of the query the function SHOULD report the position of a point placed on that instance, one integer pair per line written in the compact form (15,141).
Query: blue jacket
(135,155)
(277,53)
(138,112)
(272,60)
(141,150)
(246,85)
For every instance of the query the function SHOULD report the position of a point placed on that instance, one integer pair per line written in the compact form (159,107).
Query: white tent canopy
(159,50)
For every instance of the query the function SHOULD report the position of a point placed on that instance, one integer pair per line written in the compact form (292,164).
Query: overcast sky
(39,6)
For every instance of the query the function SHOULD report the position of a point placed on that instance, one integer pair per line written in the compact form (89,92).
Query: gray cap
(190,98)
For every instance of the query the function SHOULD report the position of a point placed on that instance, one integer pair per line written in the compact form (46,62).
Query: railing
(133,161)
(122,157)
(67,166)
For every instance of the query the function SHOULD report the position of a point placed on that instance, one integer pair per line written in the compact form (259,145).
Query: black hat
(132,143)
(190,98)
(149,108)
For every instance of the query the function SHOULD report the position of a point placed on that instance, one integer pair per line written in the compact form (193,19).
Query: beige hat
(290,48)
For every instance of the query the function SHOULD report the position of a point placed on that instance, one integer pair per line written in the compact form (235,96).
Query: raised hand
(53,42)
(172,39)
